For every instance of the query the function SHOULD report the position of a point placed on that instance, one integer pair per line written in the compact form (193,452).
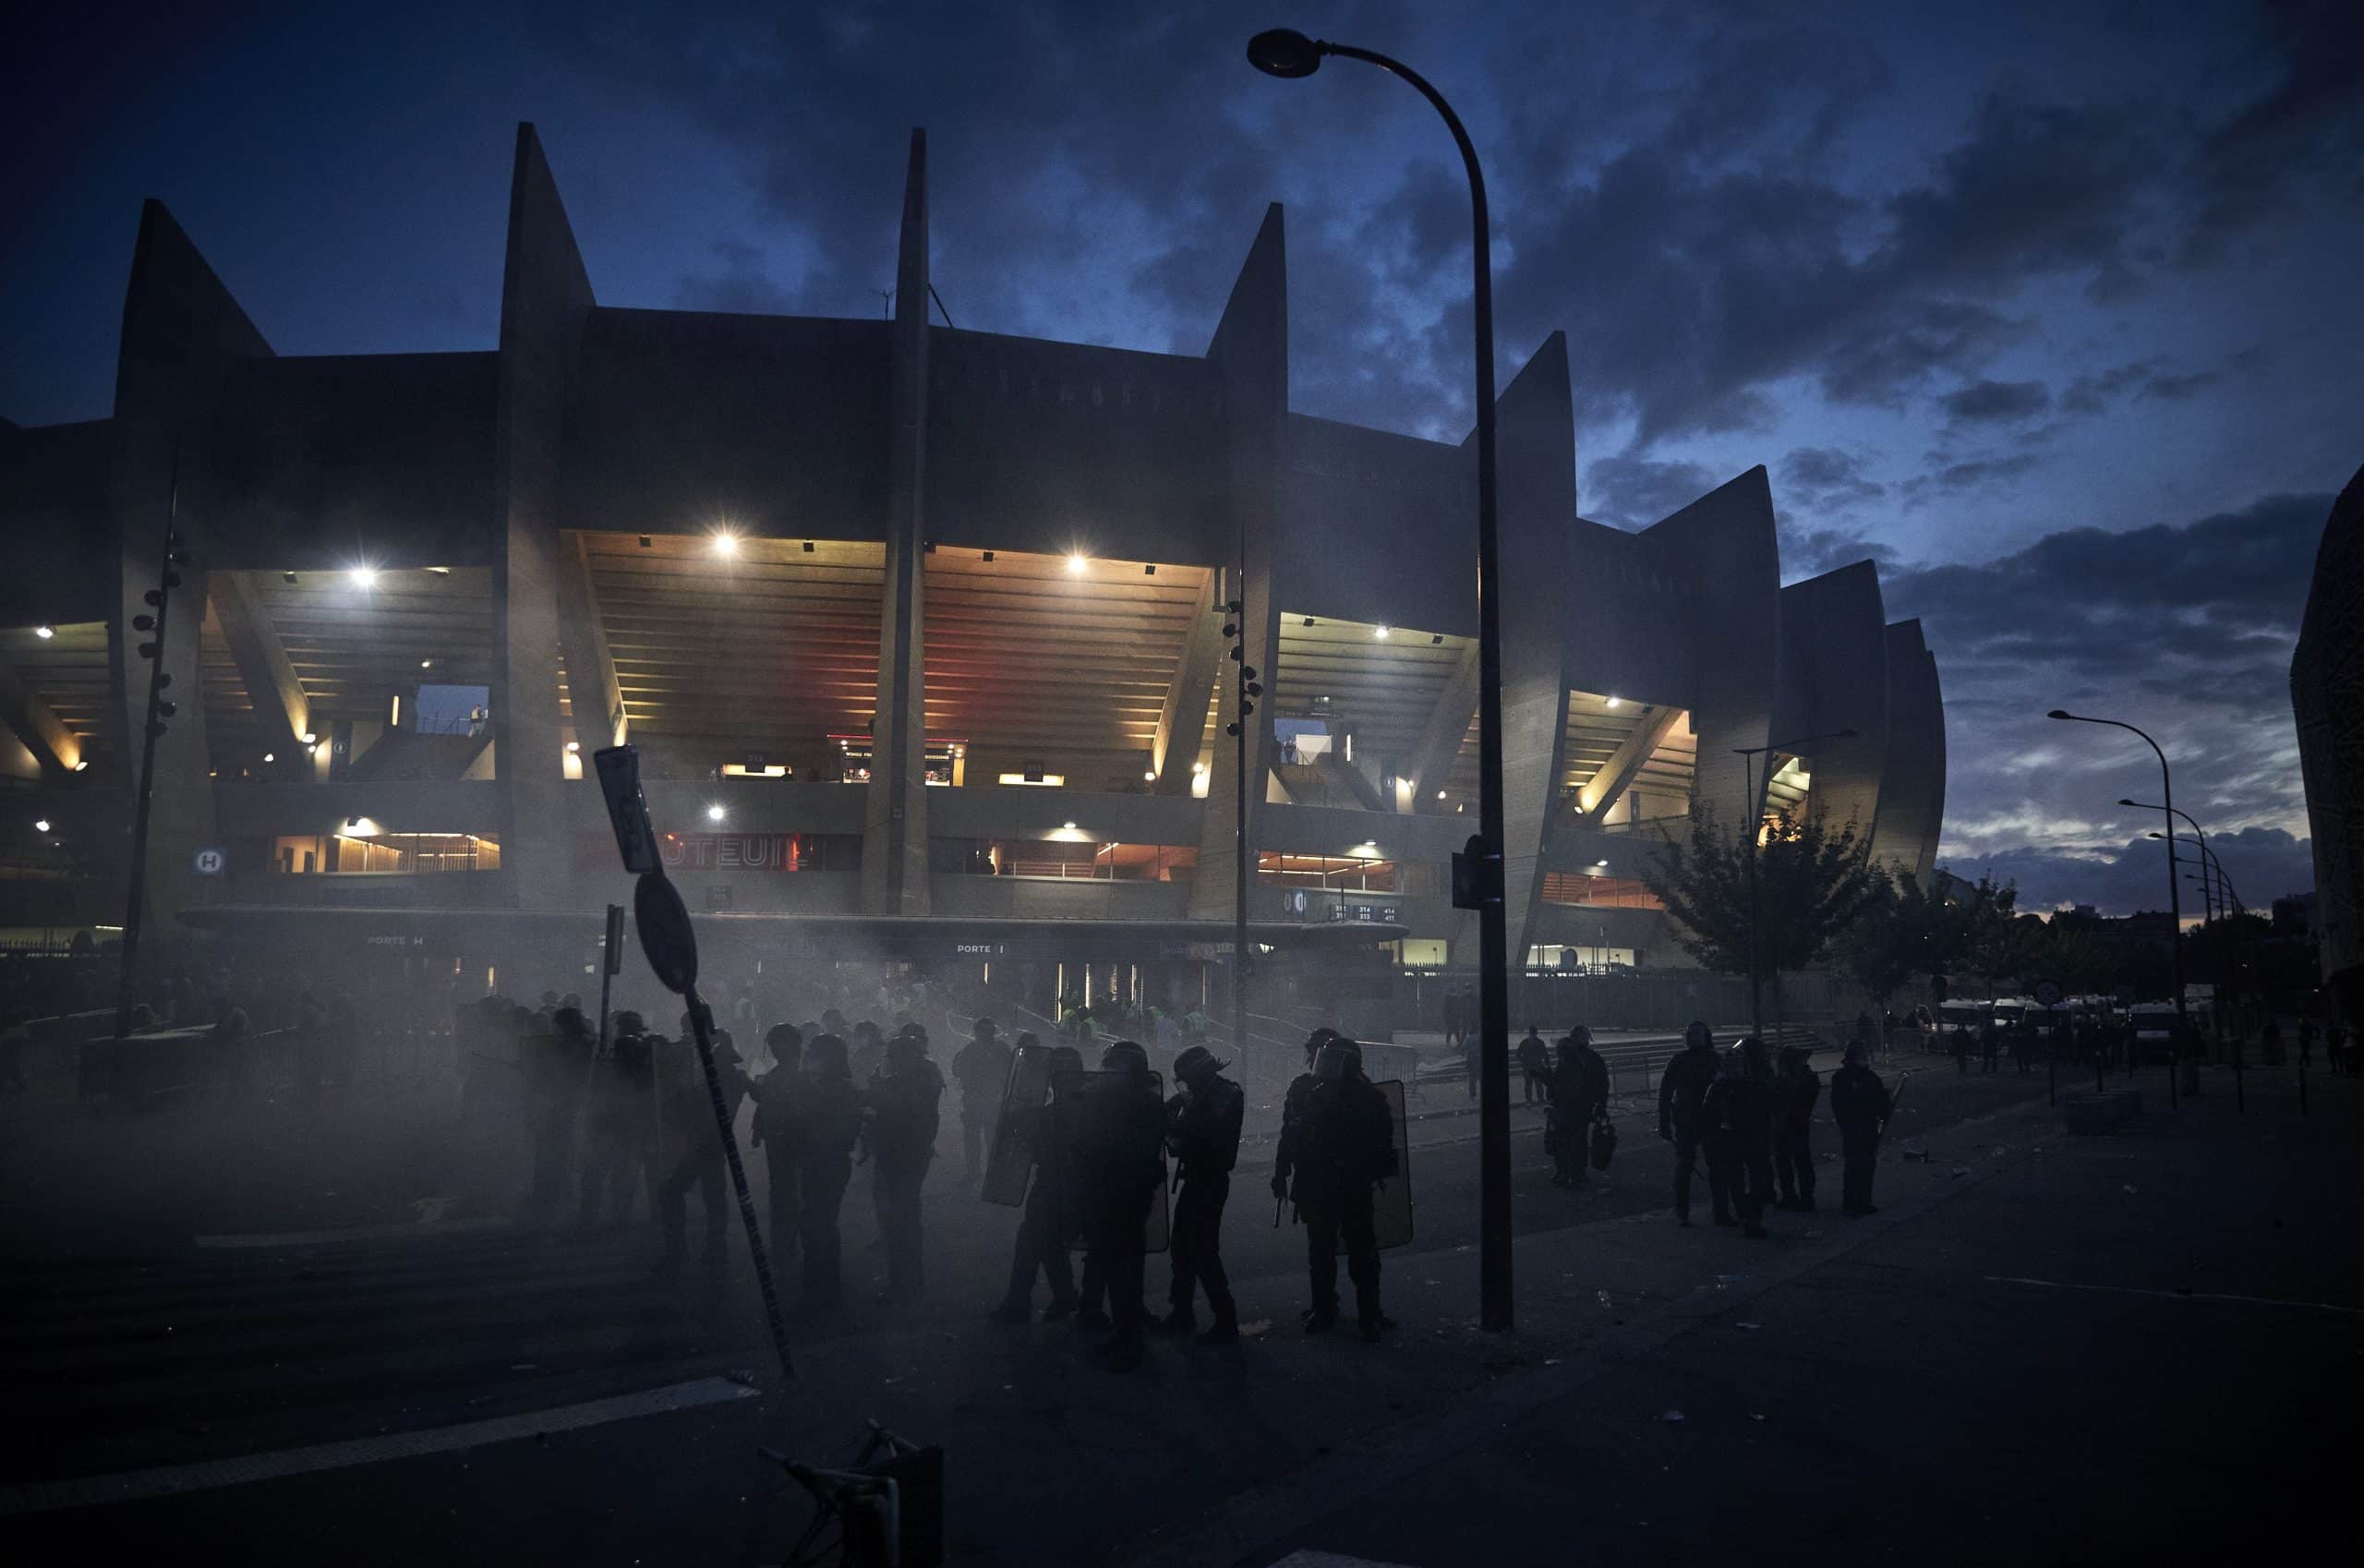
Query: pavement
(2042,1349)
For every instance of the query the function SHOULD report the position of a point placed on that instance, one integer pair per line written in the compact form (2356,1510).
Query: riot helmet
(825,1056)
(1126,1056)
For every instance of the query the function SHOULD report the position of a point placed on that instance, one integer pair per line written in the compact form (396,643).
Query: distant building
(2327,697)
(919,631)
(2294,915)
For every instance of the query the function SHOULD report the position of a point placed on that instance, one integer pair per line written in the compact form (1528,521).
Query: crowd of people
(1752,1120)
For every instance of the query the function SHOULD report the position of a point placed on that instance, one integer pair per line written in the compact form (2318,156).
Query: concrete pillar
(1251,351)
(894,838)
(1834,676)
(1725,544)
(1536,509)
(1913,788)
(544,301)
(182,332)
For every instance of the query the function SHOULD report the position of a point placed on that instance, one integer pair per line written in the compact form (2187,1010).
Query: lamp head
(2125,803)
(1284,51)
(2059,713)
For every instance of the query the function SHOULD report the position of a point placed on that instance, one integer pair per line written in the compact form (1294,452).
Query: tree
(1997,942)
(1811,880)
(1900,931)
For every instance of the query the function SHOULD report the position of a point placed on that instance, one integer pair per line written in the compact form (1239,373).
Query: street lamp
(2175,889)
(2224,883)
(1748,755)
(1287,53)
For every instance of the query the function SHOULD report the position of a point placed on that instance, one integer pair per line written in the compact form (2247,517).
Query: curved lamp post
(1290,55)
(2175,889)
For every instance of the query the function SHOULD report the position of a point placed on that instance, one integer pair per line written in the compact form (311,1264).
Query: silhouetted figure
(1860,1104)
(2306,1044)
(1579,1100)
(1120,1161)
(1682,1089)
(903,1117)
(557,1067)
(1795,1089)
(1052,1196)
(692,1142)
(981,1068)
(1340,1145)
(1535,1066)
(828,1111)
(619,1126)
(1737,1115)
(777,1134)
(1203,1132)
(1456,1016)
(1990,1046)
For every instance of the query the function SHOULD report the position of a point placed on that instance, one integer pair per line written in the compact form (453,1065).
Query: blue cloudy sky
(2050,308)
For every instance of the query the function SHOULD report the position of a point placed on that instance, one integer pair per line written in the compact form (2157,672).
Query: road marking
(355,1233)
(2179,1295)
(172,1480)
(1330,1560)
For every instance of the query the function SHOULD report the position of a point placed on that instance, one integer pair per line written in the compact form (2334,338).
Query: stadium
(921,634)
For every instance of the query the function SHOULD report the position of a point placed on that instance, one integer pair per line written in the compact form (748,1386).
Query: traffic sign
(208,863)
(2047,992)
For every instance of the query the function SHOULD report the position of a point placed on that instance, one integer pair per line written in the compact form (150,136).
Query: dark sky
(2051,308)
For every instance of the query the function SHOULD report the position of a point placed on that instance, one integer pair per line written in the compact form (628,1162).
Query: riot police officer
(1860,1104)
(693,1143)
(1042,1243)
(1120,1162)
(1795,1089)
(620,1128)
(1579,1099)
(1338,1147)
(1681,1092)
(981,1069)
(1202,1131)
(902,1142)
(556,1065)
(775,1095)
(828,1117)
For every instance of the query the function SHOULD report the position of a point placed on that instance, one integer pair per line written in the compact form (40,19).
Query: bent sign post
(663,922)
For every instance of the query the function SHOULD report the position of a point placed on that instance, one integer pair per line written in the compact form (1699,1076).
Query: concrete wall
(682,420)
(1631,617)
(316,464)
(1378,527)
(54,523)
(1052,446)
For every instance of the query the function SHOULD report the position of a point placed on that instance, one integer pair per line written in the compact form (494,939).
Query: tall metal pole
(2174,892)
(136,898)
(1239,959)
(1755,971)
(1288,54)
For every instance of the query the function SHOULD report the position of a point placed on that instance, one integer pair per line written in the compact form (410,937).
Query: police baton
(1893,1101)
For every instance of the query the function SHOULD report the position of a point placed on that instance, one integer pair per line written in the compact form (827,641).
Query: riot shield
(1011,1158)
(1391,1217)
(1072,1095)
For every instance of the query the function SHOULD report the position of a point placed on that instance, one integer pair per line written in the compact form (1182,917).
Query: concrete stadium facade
(915,626)
(2327,700)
